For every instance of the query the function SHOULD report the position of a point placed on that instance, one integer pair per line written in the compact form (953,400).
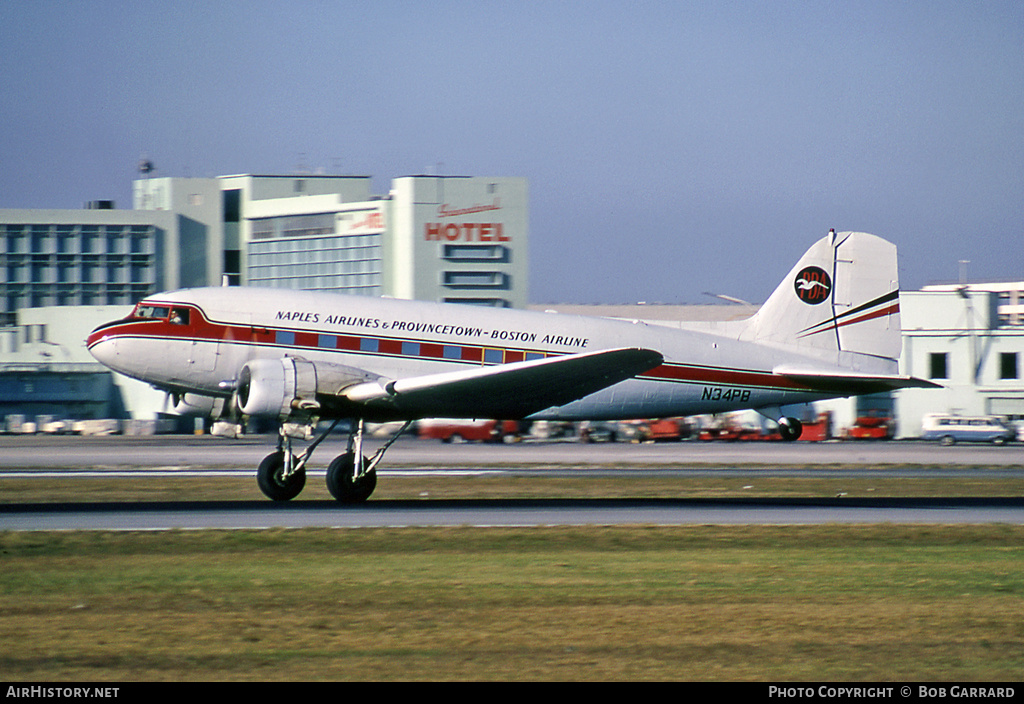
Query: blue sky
(672,148)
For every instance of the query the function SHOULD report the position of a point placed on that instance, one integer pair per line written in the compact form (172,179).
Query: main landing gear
(789,428)
(351,477)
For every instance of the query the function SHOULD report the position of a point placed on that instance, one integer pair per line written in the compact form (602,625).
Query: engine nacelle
(196,405)
(287,388)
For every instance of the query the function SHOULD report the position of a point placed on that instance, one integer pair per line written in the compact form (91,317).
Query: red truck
(455,430)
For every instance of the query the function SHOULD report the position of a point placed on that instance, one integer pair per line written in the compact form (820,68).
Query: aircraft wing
(506,391)
(855,382)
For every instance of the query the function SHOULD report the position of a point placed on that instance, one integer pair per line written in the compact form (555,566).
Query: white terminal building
(435,238)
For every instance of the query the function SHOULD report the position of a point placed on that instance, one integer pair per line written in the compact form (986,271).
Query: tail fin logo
(813,285)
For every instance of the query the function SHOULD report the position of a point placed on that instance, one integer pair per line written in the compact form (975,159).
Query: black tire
(341,485)
(268,476)
(790,429)
(948,440)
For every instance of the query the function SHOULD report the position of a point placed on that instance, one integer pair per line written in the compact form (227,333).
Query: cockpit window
(179,316)
(151,311)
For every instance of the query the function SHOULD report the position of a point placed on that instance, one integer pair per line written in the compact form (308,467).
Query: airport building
(84,257)
(970,340)
(432,238)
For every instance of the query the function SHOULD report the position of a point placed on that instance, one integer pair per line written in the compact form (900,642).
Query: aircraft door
(203,353)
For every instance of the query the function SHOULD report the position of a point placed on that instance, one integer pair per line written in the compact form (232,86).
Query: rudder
(842,296)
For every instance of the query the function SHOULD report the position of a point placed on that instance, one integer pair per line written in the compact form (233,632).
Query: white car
(951,429)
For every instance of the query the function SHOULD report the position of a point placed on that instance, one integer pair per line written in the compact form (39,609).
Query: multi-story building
(83,257)
(435,238)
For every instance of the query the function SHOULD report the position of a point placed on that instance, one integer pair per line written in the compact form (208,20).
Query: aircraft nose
(102,345)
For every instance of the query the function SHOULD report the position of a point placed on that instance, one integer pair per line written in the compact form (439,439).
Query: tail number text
(717,393)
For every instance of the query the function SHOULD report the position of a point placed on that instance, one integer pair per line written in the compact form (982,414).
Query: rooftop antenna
(146,166)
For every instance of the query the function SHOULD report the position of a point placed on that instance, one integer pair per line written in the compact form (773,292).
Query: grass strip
(793,603)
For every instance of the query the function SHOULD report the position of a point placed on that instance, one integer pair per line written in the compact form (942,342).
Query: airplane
(830,329)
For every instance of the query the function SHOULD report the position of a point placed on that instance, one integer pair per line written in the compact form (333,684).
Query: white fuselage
(223,328)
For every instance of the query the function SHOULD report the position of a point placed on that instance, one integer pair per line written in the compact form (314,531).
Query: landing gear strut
(282,475)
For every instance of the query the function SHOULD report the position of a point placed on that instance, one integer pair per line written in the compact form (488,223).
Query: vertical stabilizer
(842,296)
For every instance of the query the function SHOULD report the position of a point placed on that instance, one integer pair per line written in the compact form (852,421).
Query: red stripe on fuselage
(721,376)
(201,329)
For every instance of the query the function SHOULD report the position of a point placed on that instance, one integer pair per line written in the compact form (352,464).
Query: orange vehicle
(668,429)
(875,418)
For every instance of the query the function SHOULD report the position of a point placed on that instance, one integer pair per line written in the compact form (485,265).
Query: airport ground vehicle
(876,418)
(599,431)
(951,429)
(456,430)
(668,429)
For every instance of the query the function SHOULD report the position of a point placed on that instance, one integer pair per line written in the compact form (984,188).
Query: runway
(188,455)
(207,452)
(506,513)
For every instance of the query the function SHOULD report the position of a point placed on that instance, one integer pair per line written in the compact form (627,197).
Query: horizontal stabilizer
(505,391)
(853,382)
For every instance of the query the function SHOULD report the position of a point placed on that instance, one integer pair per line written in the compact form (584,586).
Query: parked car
(598,431)
(951,429)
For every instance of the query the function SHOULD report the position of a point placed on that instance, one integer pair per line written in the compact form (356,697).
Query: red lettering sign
(373,220)
(446,211)
(465,232)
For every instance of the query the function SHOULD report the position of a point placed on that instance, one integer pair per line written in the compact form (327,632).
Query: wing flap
(856,382)
(507,391)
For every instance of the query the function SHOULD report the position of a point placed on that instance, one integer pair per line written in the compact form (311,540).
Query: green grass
(638,603)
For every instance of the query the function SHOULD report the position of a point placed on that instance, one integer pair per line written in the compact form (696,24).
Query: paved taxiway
(49,456)
(258,515)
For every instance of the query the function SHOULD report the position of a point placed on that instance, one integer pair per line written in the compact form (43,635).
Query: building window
(293,226)
(232,202)
(490,302)
(475,253)
(475,279)
(937,365)
(1008,365)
